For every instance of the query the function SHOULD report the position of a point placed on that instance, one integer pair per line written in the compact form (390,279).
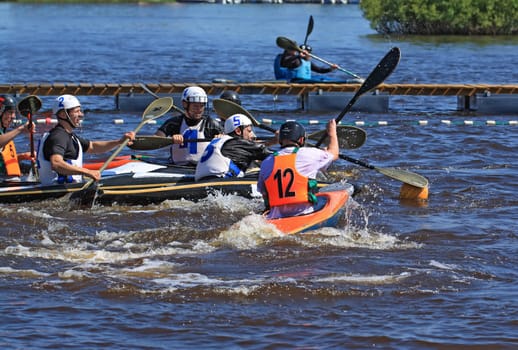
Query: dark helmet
(7,103)
(291,131)
(231,96)
(306,47)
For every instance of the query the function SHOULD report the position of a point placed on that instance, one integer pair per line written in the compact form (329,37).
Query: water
(211,274)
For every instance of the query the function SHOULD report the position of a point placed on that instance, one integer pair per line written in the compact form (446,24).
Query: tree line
(442,17)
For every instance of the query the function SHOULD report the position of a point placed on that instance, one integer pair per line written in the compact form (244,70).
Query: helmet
(291,131)
(231,96)
(306,47)
(194,94)
(235,121)
(7,103)
(65,102)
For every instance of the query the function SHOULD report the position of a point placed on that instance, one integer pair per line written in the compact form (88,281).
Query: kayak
(136,182)
(139,182)
(331,203)
(116,162)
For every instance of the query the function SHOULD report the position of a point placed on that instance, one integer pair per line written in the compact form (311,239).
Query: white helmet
(236,121)
(194,94)
(65,102)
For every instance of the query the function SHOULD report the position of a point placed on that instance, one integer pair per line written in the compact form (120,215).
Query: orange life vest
(285,185)
(10,160)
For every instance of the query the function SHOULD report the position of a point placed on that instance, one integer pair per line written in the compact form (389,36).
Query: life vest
(9,160)
(285,185)
(47,175)
(301,72)
(189,152)
(214,163)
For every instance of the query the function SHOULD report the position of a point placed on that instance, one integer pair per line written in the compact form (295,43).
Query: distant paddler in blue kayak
(296,65)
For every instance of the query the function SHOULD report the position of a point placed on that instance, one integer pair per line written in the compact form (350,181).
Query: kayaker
(195,123)
(231,95)
(295,65)
(60,151)
(286,179)
(231,154)
(9,166)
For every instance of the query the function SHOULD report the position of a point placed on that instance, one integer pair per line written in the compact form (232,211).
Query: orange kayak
(116,162)
(330,206)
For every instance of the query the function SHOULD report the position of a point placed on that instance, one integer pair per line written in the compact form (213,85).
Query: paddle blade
(29,105)
(158,108)
(146,143)
(349,137)
(404,176)
(287,44)
(382,70)
(309,30)
(84,198)
(225,109)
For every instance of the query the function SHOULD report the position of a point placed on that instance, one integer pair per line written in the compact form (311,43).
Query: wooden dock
(272,88)
(469,96)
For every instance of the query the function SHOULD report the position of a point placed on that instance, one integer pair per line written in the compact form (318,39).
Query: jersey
(69,146)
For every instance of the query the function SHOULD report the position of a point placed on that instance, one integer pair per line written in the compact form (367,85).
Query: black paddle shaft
(357,161)
(381,72)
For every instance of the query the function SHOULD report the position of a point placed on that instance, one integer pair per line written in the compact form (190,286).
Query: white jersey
(214,163)
(49,176)
(189,152)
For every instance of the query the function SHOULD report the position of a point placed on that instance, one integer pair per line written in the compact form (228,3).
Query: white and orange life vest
(285,185)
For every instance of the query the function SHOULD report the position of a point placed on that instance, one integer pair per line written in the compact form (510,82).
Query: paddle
(309,30)
(397,174)
(349,137)
(288,44)
(146,89)
(225,108)
(384,68)
(156,109)
(152,142)
(381,72)
(28,106)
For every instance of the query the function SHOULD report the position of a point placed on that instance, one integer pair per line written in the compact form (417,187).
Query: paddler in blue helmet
(286,178)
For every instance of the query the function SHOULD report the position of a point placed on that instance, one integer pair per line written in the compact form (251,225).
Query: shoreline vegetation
(442,17)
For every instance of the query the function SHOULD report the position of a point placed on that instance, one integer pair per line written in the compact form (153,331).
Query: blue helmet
(292,131)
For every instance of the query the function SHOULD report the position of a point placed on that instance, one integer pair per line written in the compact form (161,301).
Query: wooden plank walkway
(272,88)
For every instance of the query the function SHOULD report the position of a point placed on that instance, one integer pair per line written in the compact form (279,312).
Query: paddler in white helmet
(231,154)
(195,123)
(60,151)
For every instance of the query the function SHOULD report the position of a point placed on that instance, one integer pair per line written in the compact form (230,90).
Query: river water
(435,275)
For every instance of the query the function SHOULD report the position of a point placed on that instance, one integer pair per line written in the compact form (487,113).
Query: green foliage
(439,17)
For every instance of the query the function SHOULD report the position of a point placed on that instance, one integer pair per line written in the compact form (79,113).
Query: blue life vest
(301,72)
